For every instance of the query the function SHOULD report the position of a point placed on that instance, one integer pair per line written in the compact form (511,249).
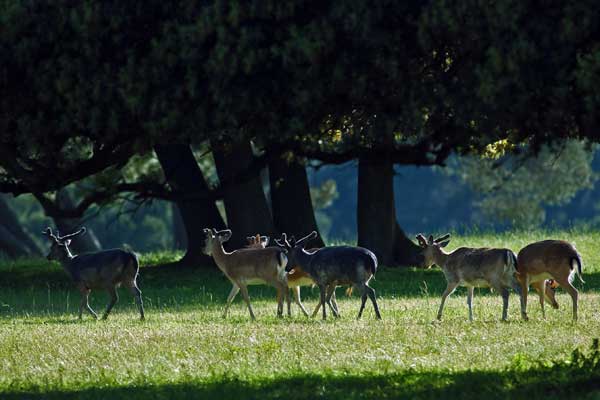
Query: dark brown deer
(105,270)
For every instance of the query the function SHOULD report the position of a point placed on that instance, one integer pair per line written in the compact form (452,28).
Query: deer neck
(440,257)
(219,255)
(303,258)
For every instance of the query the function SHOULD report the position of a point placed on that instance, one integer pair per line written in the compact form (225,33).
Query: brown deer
(549,259)
(243,267)
(106,270)
(471,268)
(296,277)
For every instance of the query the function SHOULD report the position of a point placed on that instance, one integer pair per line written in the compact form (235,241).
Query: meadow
(185,348)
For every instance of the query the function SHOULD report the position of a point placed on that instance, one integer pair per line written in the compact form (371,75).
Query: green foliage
(516,189)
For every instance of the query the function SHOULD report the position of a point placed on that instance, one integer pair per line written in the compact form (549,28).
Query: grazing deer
(470,267)
(106,270)
(331,266)
(548,259)
(249,266)
(296,277)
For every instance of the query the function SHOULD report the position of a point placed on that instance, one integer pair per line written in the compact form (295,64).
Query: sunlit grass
(185,348)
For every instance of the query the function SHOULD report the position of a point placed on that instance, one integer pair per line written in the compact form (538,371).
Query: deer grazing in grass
(549,259)
(249,266)
(106,270)
(331,266)
(296,277)
(471,267)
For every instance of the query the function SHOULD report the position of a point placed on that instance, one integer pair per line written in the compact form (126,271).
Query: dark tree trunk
(245,203)
(85,243)
(290,199)
(378,229)
(183,175)
(14,240)
(179,235)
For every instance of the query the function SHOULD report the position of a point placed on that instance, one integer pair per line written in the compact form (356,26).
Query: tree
(504,181)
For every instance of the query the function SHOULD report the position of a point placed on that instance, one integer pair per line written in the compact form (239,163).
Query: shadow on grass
(555,382)
(50,291)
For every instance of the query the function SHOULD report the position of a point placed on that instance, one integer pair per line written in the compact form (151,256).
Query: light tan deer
(471,268)
(548,259)
(243,267)
(295,278)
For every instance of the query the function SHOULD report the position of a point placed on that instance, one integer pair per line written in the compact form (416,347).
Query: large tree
(88,84)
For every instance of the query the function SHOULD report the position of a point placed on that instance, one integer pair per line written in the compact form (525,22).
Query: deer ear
(264,240)
(444,244)
(421,239)
(430,239)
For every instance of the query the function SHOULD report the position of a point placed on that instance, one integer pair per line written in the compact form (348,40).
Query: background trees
(90,86)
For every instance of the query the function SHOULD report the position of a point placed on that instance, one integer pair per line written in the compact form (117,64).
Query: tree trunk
(245,203)
(290,199)
(179,234)
(378,229)
(183,175)
(14,240)
(84,243)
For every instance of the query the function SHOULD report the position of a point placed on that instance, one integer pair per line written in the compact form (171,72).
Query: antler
(311,235)
(442,238)
(70,235)
(48,232)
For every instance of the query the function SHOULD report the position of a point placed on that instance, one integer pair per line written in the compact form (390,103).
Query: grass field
(185,348)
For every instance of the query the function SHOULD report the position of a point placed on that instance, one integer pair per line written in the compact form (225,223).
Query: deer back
(341,264)
(104,268)
(253,263)
(546,256)
(480,266)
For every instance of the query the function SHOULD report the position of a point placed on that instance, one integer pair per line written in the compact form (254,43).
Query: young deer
(249,266)
(296,277)
(548,259)
(106,270)
(332,266)
(471,268)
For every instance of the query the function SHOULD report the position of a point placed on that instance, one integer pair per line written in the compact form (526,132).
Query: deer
(470,268)
(296,277)
(557,260)
(107,270)
(332,266)
(249,266)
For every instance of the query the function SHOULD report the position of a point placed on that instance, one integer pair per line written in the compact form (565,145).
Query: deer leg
(287,300)
(137,294)
(371,293)
(524,289)
(244,290)
(449,289)
(322,289)
(85,295)
(470,290)
(280,295)
(114,297)
(540,288)
(504,293)
(363,300)
(572,292)
(296,291)
(334,303)
(330,292)
(317,308)
(232,293)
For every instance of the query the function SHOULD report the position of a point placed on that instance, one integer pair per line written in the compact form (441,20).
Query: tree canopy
(88,84)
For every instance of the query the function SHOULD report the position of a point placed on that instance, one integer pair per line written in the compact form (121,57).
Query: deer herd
(291,264)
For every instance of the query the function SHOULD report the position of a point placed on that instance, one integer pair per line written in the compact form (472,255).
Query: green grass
(185,348)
